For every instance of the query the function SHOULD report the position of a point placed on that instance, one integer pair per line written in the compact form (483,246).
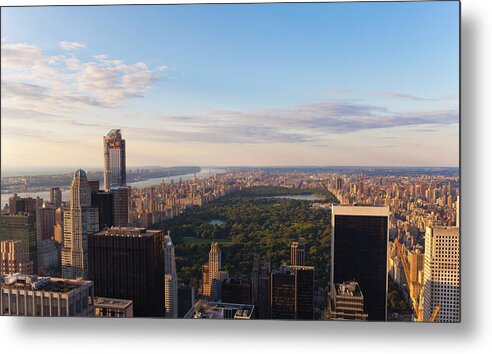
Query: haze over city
(232,85)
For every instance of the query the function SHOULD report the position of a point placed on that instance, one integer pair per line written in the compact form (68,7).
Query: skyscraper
(298,253)
(236,291)
(128,263)
(55,197)
(186,299)
(442,273)
(121,204)
(114,159)
(171,279)
(359,253)
(171,295)
(169,257)
(58,228)
(12,258)
(21,227)
(80,220)
(45,221)
(214,260)
(292,295)
(260,286)
(458,211)
(103,201)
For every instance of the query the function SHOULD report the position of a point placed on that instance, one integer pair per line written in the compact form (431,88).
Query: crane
(419,315)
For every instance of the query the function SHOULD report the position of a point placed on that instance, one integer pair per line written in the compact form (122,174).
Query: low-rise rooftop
(106,302)
(127,232)
(204,309)
(36,283)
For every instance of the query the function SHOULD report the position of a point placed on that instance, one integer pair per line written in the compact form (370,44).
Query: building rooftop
(348,288)
(106,302)
(358,210)
(127,232)
(36,283)
(204,309)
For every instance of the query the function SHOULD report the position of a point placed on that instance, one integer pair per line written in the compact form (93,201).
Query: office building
(94,186)
(26,295)
(114,159)
(49,258)
(171,279)
(128,263)
(458,211)
(169,257)
(260,286)
(55,197)
(45,222)
(347,302)
(22,205)
(235,291)
(186,299)
(103,201)
(292,293)
(80,220)
(118,308)
(359,253)
(442,273)
(298,253)
(12,258)
(21,227)
(415,258)
(121,205)
(213,274)
(171,295)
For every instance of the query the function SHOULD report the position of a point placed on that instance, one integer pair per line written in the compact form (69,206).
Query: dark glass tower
(103,201)
(293,293)
(128,263)
(359,253)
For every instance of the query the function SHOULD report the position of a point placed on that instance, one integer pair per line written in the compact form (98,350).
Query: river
(205,172)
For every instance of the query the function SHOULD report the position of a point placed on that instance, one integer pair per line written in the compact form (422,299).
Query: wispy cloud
(71,45)
(404,96)
(313,122)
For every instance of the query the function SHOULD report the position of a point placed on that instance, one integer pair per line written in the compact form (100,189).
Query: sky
(347,84)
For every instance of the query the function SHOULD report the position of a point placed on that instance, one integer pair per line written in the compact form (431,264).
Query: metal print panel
(282,161)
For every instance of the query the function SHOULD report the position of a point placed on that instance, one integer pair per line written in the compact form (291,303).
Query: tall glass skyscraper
(359,253)
(114,159)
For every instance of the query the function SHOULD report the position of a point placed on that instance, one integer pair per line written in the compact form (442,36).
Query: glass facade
(360,253)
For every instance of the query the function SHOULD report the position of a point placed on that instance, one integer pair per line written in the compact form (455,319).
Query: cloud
(404,96)
(21,56)
(71,45)
(340,90)
(313,122)
(34,80)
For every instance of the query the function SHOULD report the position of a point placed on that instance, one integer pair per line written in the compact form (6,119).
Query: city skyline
(308,84)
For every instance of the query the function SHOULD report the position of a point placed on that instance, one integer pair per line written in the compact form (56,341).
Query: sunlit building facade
(114,159)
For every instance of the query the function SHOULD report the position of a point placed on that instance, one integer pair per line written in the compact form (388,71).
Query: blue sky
(269,84)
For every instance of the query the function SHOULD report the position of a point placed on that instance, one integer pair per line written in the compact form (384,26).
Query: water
(205,172)
(308,197)
(217,222)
